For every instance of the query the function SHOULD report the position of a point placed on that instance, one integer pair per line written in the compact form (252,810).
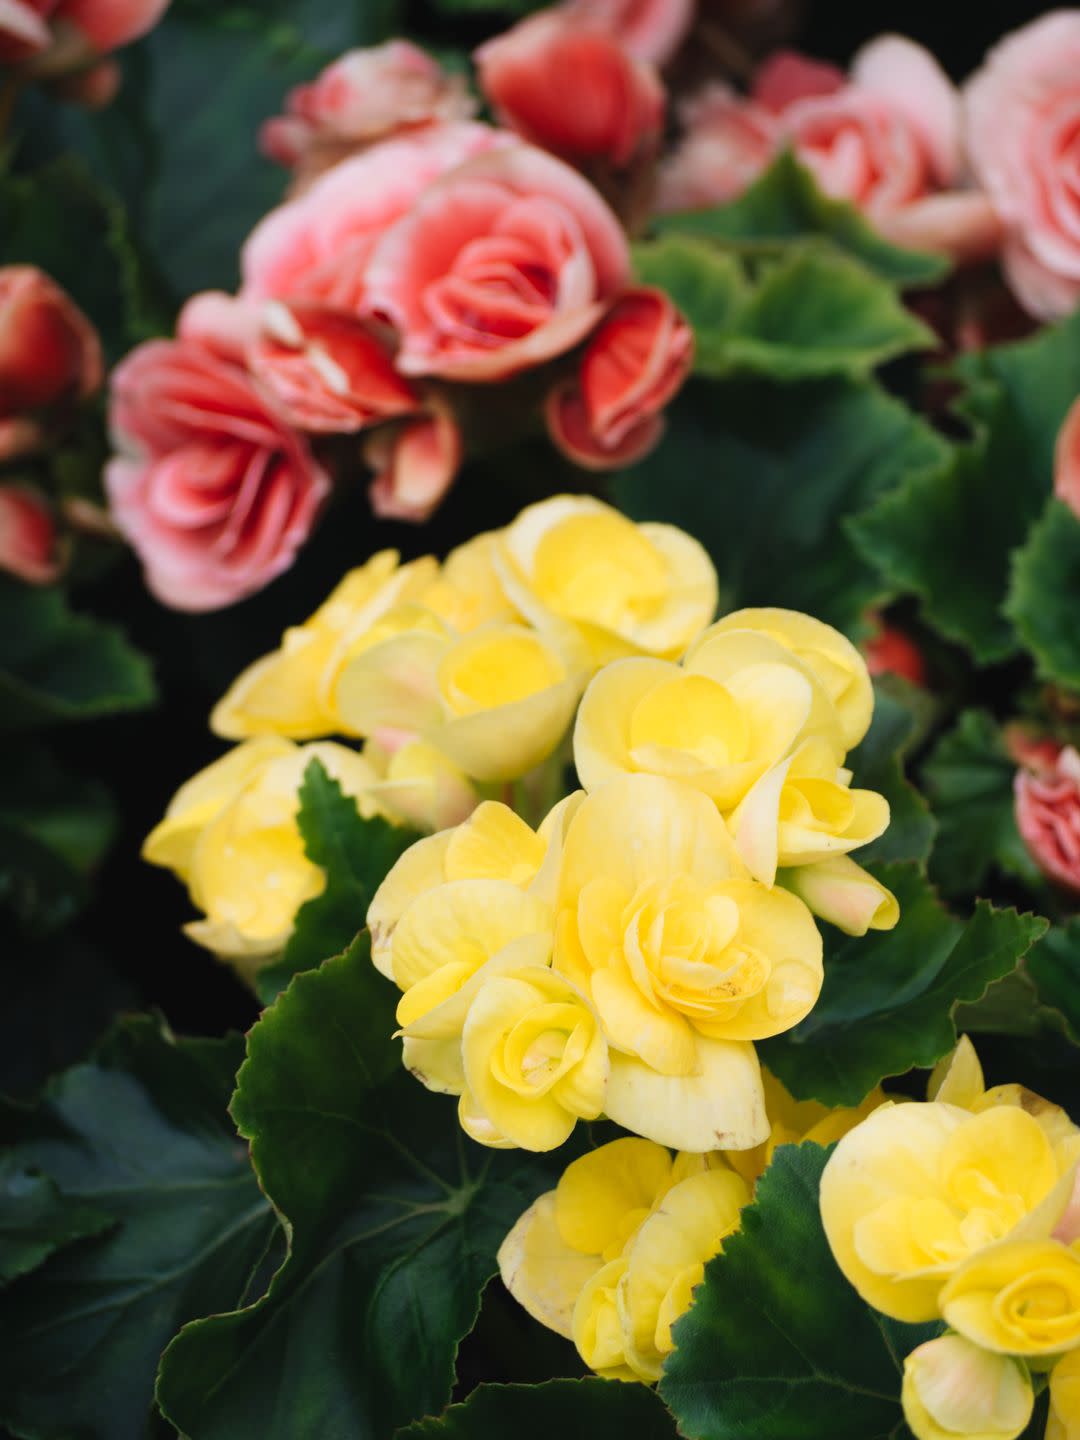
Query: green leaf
(969,778)
(949,537)
(393,1223)
(813,313)
(569,1409)
(356,855)
(1045,582)
(1054,966)
(766,475)
(36,1220)
(142,1134)
(785,204)
(777,1345)
(878,764)
(887,1003)
(57,666)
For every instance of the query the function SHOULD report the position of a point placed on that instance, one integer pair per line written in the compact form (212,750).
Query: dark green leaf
(708,286)
(141,1133)
(878,764)
(969,778)
(58,666)
(394,1220)
(1042,601)
(356,854)
(36,1220)
(1054,966)
(784,205)
(765,476)
(777,1345)
(888,999)
(569,1409)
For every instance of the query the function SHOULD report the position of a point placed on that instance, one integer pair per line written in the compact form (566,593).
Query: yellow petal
(597,1328)
(606,1193)
(958,1078)
(1017,1298)
(843,893)
(544,1274)
(494,844)
(421,868)
(392,685)
(952,1390)
(1064,1423)
(506,742)
(602,738)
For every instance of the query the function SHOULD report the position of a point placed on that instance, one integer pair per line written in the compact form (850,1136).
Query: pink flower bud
(108,24)
(891,652)
(49,351)
(415,465)
(1067,461)
(27,536)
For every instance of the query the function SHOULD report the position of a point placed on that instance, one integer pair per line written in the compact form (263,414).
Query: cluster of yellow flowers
(611,1256)
(962,1209)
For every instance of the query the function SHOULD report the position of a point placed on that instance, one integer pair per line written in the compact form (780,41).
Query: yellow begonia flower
(685,958)
(535,1060)
(1021,1297)
(1064,1421)
(611,1256)
(843,893)
(231,835)
(916,1189)
(419,783)
(952,1390)
(720,721)
(792,1121)
(289,692)
(467,592)
(831,656)
(492,844)
(600,585)
(496,701)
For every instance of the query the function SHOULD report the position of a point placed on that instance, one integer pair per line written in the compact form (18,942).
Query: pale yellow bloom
(685,957)
(1064,1421)
(421,784)
(916,1189)
(843,893)
(496,701)
(231,834)
(1021,1297)
(603,586)
(831,656)
(722,720)
(954,1391)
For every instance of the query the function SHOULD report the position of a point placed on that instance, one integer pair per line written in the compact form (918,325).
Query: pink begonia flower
(609,414)
(317,246)
(651,30)
(415,463)
(49,351)
(1067,460)
(507,261)
(27,536)
(573,88)
(108,24)
(24,30)
(886,138)
(1047,803)
(364,96)
(892,652)
(213,488)
(1022,114)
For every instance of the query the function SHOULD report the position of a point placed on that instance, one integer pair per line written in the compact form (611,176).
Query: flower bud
(27,536)
(952,1389)
(49,351)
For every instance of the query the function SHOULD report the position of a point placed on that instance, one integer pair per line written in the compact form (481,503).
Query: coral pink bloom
(327,371)
(651,30)
(572,89)
(787,76)
(1023,134)
(108,24)
(27,536)
(213,489)
(415,465)
(891,652)
(506,262)
(23,31)
(728,142)
(49,351)
(1048,816)
(1067,461)
(637,360)
(317,246)
(364,96)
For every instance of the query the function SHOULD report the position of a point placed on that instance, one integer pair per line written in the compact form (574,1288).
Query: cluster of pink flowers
(63,41)
(992,167)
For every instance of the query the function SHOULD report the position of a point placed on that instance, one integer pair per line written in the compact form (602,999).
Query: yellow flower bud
(1021,1297)
(685,958)
(843,893)
(496,701)
(831,656)
(720,721)
(289,692)
(231,834)
(602,586)
(419,783)
(916,1189)
(1064,1421)
(952,1390)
